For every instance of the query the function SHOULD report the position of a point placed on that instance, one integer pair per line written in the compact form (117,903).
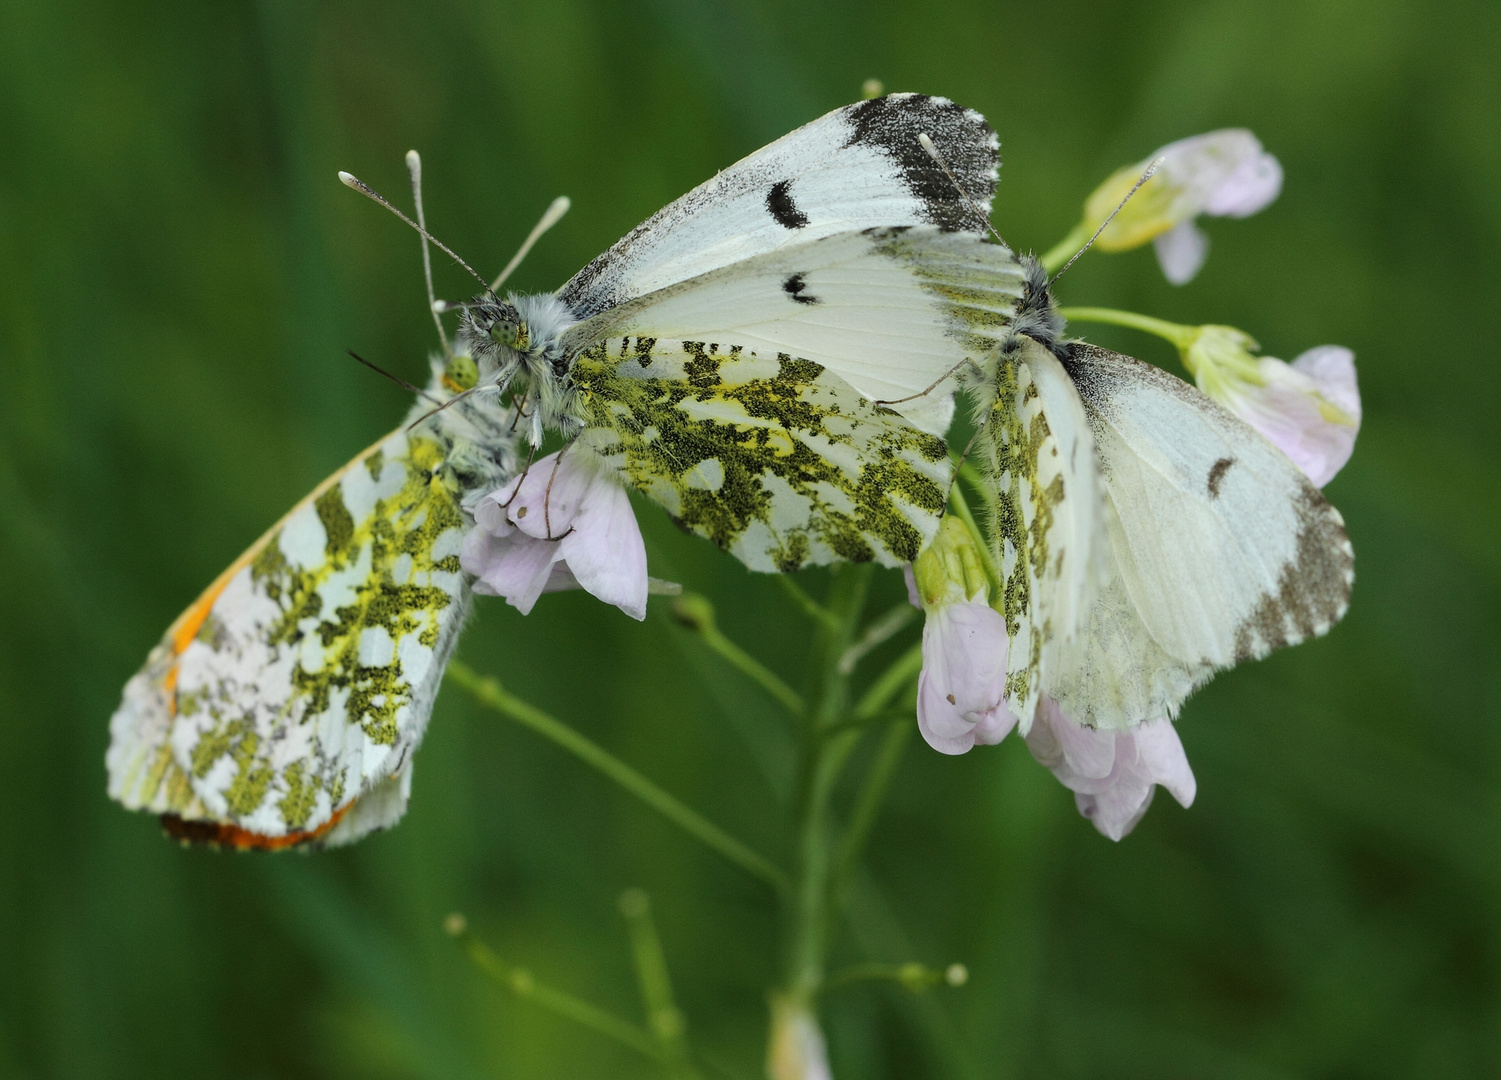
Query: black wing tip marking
(783,209)
(967,143)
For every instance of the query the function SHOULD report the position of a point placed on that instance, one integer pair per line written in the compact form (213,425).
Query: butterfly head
(1037,314)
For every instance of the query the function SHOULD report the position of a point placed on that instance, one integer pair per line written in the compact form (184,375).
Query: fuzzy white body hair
(517,345)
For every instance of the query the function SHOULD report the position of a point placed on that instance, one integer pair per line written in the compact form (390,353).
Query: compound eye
(503,331)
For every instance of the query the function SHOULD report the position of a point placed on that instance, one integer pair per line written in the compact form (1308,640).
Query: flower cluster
(961,696)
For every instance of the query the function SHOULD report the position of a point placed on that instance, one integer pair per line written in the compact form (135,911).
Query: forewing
(770,456)
(895,313)
(1048,513)
(284,705)
(1221,545)
(856,167)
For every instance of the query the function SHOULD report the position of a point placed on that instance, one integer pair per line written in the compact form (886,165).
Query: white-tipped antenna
(414,169)
(352,181)
(550,217)
(927,144)
(1151,171)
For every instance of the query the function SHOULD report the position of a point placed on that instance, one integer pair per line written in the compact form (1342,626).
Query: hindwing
(285,704)
(770,456)
(1048,514)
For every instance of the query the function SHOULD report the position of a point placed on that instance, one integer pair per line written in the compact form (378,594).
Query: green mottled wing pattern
(1048,510)
(772,457)
(302,680)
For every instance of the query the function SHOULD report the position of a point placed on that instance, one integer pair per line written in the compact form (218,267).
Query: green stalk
(867,805)
(824,755)
(487,691)
(1180,335)
(1066,248)
(521,983)
(663,1015)
(696,613)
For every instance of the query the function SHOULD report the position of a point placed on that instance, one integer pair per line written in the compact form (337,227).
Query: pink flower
(1222,173)
(1113,774)
(565,523)
(961,693)
(1309,409)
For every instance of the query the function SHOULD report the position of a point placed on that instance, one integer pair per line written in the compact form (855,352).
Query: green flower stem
(488,692)
(876,635)
(960,504)
(1066,248)
(664,1017)
(810,607)
(823,758)
(1181,336)
(914,976)
(867,805)
(892,681)
(520,982)
(696,613)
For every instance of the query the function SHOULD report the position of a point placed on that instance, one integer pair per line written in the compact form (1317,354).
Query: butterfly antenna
(927,144)
(1151,171)
(397,379)
(352,181)
(451,401)
(550,217)
(414,169)
(938,382)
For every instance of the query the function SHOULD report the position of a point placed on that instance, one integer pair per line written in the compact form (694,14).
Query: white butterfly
(1146,536)
(727,356)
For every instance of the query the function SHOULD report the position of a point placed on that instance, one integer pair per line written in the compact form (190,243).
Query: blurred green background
(180,273)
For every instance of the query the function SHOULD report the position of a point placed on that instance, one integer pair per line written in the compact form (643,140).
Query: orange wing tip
(221,834)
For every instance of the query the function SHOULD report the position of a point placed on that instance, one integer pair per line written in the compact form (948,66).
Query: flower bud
(797,1050)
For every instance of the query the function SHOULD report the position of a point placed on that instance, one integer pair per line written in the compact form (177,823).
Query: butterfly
(1145,536)
(771,358)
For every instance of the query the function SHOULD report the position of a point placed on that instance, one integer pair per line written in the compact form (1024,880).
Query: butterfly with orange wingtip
(730,358)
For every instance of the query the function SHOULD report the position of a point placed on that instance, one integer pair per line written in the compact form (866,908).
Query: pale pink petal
(1292,409)
(605,551)
(1254,183)
(1112,773)
(1161,754)
(1181,251)
(961,692)
(1117,811)
(1332,368)
(913,596)
(550,494)
(1223,172)
(516,567)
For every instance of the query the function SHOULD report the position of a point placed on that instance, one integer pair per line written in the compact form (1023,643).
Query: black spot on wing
(1217,473)
(963,138)
(782,208)
(796,288)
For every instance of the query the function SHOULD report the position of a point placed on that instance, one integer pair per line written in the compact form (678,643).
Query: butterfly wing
(1048,513)
(1222,549)
(770,456)
(893,312)
(284,706)
(854,168)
